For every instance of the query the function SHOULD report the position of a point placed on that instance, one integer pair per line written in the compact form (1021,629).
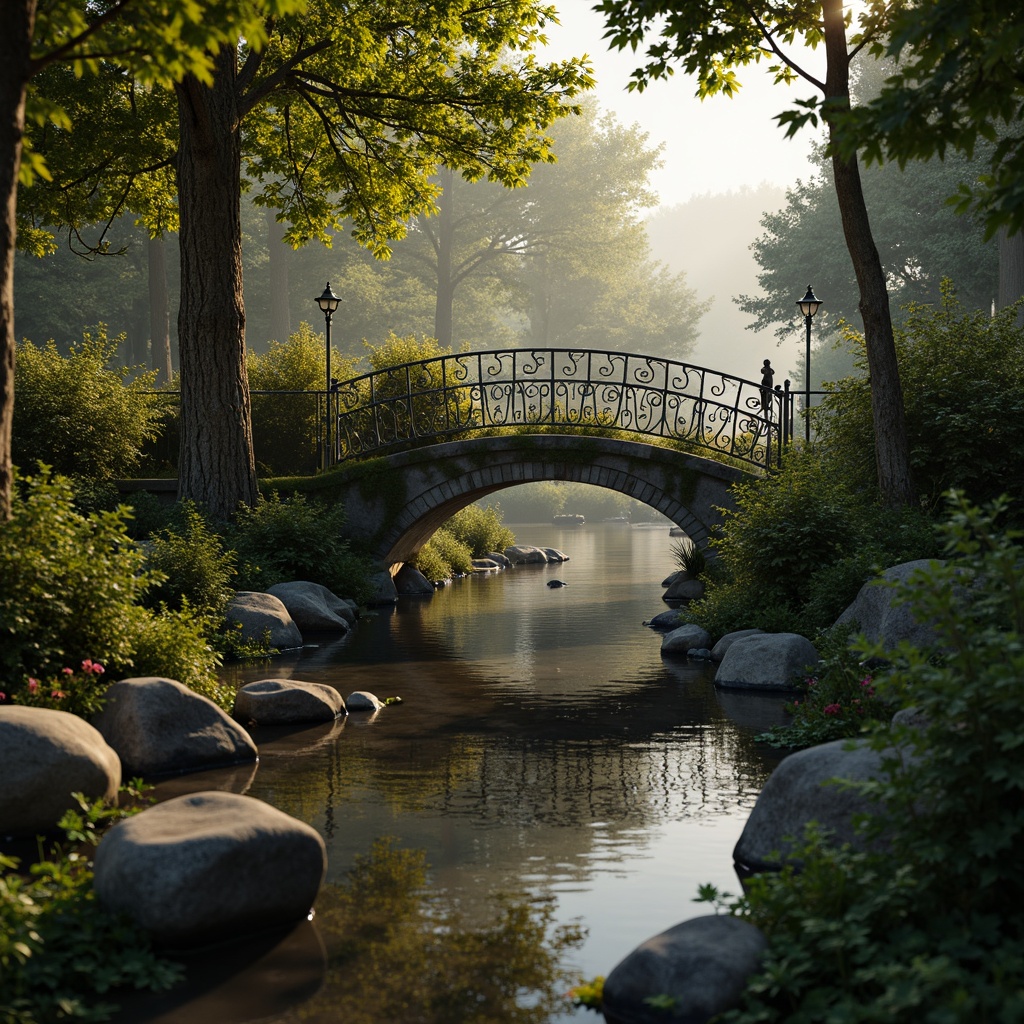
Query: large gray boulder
(363,700)
(554,555)
(525,554)
(683,639)
(209,866)
(684,590)
(702,965)
(159,727)
(666,621)
(382,589)
(263,615)
(314,608)
(802,789)
(500,558)
(287,702)
(410,582)
(768,661)
(45,756)
(718,651)
(880,619)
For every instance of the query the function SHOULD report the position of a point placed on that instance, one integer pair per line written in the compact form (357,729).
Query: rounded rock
(47,756)
(683,639)
(286,702)
(209,866)
(362,700)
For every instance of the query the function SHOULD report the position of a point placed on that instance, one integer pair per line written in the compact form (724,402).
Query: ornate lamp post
(808,306)
(328,303)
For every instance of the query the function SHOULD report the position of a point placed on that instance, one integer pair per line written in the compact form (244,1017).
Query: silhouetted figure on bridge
(767,377)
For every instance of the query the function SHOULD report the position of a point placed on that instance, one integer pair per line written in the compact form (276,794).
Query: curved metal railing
(583,390)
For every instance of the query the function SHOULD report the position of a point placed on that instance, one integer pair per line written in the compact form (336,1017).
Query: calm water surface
(542,746)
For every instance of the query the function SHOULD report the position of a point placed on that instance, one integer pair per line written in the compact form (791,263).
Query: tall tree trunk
(278,253)
(892,453)
(159,312)
(15,46)
(216,466)
(444,242)
(1011,270)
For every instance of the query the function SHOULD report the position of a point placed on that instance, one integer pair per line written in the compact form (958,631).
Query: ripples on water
(542,746)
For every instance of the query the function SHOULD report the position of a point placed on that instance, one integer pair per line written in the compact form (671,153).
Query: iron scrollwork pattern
(582,390)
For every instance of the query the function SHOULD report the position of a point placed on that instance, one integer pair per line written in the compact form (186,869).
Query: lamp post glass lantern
(808,307)
(328,303)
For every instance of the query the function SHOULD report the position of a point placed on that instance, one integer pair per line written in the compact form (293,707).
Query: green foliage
(963,383)
(281,540)
(71,592)
(68,583)
(480,529)
(78,691)
(444,556)
(62,956)
(588,993)
(77,414)
(401,949)
(688,557)
(287,429)
(955,88)
(148,514)
(927,930)
(797,547)
(195,569)
(840,700)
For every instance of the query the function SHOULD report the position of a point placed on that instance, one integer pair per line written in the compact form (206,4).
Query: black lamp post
(808,306)
(328,303)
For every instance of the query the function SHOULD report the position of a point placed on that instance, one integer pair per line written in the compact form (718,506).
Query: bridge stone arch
(395,504)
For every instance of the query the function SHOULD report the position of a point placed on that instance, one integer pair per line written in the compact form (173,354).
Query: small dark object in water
(557,583)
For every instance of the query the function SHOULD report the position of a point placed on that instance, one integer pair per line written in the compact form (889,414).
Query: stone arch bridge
(395,504)
(406,453)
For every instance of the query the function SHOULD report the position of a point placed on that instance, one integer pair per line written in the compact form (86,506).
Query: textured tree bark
(15,47)
(277,260)
(216,466)
(1011,270)
(159,312)
(892,454)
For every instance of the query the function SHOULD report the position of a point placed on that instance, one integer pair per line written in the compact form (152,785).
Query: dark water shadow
(240,982)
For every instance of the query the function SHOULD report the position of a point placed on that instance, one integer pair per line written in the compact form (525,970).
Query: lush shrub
(195,568)
(480,529)
(928,930)
(62,956)
(962,373)
(71,592)
(840,700)
(285,539)
(77,414)
(287,429)
(797,547)
(444,556)
(148,513)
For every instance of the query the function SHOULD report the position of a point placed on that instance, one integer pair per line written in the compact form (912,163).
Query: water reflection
(543,745)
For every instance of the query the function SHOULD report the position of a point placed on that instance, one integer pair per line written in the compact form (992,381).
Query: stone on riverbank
(314,608)
(502,560)
(525,554)
(769,661)
(718,651)
(362,700)
(209,866)
(382,589)
(683,639)
(410,582)
(262,613)
(666,621)
(684,590)
(880,619)
(702,965)
(159,727)
(800,790)
(287,702)
(46,756)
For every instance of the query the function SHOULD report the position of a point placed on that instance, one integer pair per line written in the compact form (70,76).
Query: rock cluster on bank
(700,968)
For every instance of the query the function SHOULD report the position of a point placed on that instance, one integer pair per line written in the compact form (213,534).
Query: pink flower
(58,694)
(832,709)
(3,696)
(68,671)
(33,685)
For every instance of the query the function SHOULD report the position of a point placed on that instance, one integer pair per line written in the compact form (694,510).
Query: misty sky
(715,146)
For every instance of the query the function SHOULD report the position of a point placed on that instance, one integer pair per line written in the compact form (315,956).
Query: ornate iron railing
(592,391)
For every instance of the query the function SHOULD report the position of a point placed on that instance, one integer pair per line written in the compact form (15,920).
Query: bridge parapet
(573,390)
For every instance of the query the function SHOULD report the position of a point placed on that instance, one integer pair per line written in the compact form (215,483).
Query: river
(542,747)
